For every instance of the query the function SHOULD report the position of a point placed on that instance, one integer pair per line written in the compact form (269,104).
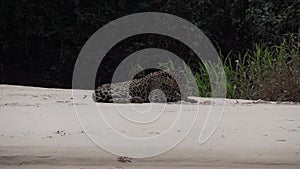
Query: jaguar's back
(155,87)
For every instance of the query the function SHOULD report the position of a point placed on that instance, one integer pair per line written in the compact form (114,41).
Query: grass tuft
(267,73)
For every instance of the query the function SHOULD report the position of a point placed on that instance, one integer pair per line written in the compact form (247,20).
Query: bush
(266,72)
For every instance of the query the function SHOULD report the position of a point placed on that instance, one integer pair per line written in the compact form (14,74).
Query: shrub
(266,72)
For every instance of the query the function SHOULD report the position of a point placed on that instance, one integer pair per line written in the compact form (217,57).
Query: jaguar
(158,87)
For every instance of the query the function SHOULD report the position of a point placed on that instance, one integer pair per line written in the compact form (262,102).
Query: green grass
(266,72)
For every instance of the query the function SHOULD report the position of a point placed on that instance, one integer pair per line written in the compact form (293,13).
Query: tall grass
(266,72)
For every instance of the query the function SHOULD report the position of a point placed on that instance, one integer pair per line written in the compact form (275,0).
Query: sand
(39,129)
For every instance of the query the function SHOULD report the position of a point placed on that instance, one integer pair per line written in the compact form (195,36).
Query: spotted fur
(155,87)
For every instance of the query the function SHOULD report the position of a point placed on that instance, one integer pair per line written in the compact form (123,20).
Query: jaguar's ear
(167,70)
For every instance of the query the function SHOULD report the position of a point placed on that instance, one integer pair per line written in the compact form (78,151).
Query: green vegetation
(266,72)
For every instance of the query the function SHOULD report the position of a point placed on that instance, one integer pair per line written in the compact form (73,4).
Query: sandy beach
(39,129)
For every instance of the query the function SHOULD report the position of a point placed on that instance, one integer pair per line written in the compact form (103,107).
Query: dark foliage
(40,40)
